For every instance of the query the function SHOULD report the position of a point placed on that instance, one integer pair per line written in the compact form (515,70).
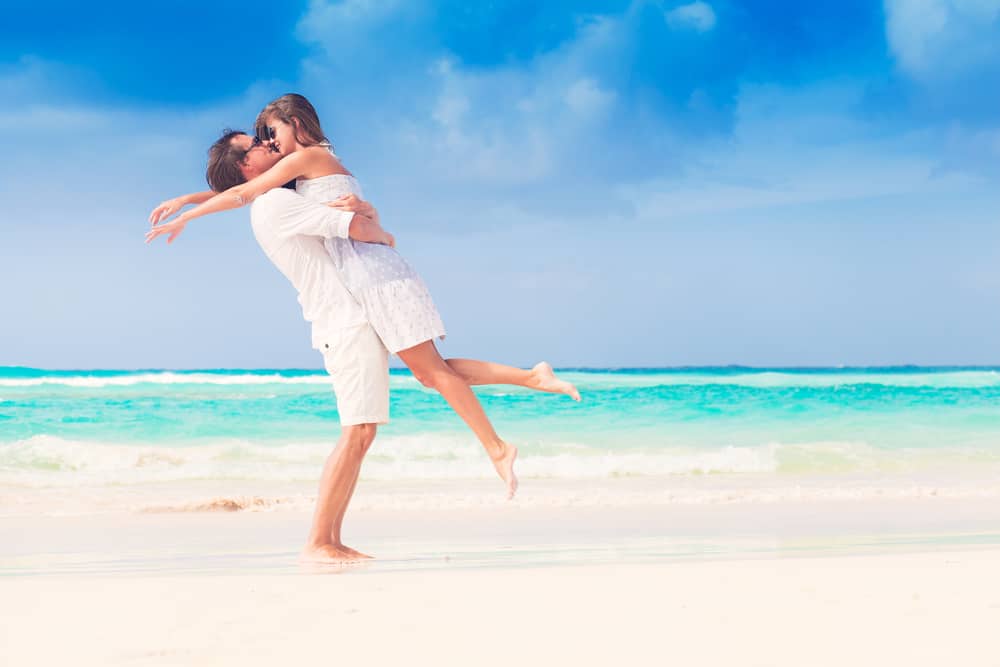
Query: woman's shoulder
(325,161)
(318,153)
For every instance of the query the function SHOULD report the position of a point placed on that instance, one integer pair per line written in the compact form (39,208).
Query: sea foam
(46,462)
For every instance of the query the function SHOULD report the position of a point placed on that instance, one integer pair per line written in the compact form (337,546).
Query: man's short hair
(224,158)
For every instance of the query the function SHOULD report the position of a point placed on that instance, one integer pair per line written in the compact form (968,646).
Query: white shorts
(358,364)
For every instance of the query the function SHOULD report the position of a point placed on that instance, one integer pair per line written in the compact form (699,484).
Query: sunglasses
(264,134)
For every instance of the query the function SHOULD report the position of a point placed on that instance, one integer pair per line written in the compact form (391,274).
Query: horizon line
(749,367)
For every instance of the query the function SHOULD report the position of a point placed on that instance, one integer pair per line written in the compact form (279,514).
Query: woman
(395,299)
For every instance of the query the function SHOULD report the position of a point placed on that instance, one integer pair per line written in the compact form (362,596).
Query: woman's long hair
(289,109)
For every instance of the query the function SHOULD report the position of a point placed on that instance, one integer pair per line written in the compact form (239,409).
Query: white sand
(888,582)
(904,609)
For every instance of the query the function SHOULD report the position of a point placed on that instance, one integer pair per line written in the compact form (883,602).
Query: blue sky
(592,183)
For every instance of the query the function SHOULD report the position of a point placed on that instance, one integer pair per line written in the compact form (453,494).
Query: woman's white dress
(396,301)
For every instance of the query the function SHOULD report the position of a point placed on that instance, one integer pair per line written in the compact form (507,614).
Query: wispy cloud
(932,38)
(698,16)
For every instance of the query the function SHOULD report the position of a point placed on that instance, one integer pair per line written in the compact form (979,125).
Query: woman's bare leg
(540,378)
(432,371)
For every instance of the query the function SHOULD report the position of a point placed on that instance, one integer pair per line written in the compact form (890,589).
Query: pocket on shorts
(332,345)
(342,347)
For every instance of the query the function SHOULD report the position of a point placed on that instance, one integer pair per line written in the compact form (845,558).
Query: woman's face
(283,135)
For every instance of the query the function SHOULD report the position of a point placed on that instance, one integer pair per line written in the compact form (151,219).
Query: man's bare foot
(505,467)
(329,553)
(356,553)
(545,380)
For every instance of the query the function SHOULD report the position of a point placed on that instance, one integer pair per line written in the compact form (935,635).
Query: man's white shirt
(291,229)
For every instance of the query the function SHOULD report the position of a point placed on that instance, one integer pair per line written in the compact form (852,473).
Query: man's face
(259,158)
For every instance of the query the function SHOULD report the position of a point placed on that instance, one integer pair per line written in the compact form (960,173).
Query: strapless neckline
(319,178)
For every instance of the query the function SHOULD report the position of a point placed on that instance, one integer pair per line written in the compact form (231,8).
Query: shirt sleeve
(288,213)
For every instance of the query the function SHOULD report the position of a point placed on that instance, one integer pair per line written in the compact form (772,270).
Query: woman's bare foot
(545,380)
(329,553)
(505,467)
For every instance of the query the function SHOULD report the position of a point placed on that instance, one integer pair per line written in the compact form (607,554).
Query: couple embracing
(363,299)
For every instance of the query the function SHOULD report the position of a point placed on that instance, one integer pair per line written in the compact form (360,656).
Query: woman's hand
(174,228)
(167,209)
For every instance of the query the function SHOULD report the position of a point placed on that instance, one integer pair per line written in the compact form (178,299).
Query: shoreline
(432,495)
(496,535)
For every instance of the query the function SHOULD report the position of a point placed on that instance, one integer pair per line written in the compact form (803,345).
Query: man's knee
(359,436)
(370,438)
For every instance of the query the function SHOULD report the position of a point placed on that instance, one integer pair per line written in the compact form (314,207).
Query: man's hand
(351,202)
(174,228)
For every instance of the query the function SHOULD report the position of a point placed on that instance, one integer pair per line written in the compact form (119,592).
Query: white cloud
(933,37)
(477,135)
(586,97)
(333,21)
(93,147)
(799,146)
(52,118)
(517,123)
(698,15)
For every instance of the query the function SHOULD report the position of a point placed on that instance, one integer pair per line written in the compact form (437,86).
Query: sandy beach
(915,609)
(905,581)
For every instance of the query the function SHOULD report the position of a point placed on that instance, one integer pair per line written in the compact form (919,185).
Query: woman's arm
(288,168)
(170,206)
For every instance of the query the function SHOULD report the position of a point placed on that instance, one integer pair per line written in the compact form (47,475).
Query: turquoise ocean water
(76,429)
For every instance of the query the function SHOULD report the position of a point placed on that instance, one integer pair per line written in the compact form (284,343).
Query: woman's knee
(426,364)
(438,379)
(424,378)
(435,375)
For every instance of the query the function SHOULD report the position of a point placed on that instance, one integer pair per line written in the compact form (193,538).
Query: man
(291,230)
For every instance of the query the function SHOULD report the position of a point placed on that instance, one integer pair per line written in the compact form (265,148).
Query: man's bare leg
(336,485)
(540,378)
(432,371)
(340,517)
